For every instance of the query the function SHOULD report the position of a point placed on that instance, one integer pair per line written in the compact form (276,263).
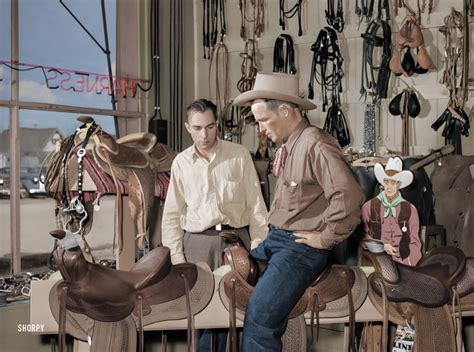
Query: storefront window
(61,61)
(5,255)
(5,52)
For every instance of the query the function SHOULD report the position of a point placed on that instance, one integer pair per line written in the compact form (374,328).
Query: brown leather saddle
(134,159)
(339,291)
(110,295)
(419,295)
(453,191)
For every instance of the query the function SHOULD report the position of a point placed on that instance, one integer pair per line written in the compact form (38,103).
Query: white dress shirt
(202,194)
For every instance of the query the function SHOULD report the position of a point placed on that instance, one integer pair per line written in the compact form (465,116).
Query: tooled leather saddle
(339,291)
(110,295)
(419,295)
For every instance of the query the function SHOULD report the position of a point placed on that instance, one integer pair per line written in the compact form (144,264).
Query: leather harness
(326,51)
(335,17)
(375,78)
(284,60)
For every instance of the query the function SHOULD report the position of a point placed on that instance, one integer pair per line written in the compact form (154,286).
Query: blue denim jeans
(292,267)
(214,340)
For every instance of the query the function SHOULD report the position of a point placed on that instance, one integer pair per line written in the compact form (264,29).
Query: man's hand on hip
(310,238)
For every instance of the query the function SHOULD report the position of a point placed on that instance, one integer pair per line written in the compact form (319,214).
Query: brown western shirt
(317,190)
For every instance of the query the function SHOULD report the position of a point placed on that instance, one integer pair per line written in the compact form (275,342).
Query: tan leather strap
(118,238)
(62,318)
(191,337)
(457,318)
(248,68)
(219,74)
(141,339)
(164,341)
(233,320)
(314,311)
(351,346)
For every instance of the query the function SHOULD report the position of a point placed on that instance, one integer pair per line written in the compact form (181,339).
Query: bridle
(296,9)
(284,60)
(375,78)
(258,19)
(213,17)
(248,68)
(327,69)
(335,17)
(326,52)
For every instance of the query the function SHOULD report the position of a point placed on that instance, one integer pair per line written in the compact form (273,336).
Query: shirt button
(286,183)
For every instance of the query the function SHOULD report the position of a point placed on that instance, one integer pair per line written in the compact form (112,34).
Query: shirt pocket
(291,195)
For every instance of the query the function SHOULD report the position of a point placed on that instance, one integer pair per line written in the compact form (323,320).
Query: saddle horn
(85,119)
(58,234)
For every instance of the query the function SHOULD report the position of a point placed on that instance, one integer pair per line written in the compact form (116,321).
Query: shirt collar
(195,154)
(295,135)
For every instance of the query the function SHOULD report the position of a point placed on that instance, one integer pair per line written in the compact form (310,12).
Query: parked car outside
(31,180)
(4,183)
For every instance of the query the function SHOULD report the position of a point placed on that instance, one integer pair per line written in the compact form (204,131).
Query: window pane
(5,254)
(39,132)
(5,53)
(75,67)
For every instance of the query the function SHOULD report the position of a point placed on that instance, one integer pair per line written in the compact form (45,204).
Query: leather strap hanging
(375,77)
(257,19)
(326,52)
(214,17)
(219,77)
(296,9)
(284,55)
(248,68)
(335,17)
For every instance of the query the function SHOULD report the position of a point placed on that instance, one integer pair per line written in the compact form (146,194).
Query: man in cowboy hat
(390,218)
(316,205)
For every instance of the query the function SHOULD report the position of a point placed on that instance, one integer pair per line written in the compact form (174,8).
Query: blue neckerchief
(390,206)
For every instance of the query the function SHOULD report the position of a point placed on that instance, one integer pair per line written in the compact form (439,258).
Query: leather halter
(257,19)
(325,51)
(296,9)
(248,68)
(284,60)
(365,11)
(335,17)
(375,78)
(213,17)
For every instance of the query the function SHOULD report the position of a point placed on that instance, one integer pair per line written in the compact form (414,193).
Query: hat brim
(405,177)
(251,95)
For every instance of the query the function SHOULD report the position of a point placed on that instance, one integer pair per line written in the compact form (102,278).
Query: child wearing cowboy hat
(390,218)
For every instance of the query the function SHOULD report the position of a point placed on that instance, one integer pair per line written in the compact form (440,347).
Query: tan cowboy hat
(393,171)
(275,86)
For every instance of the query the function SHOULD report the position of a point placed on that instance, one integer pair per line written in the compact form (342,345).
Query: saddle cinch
(153,290)
(419,295)
(338,292)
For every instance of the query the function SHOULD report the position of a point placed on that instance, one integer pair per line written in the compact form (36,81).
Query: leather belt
(221,227)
